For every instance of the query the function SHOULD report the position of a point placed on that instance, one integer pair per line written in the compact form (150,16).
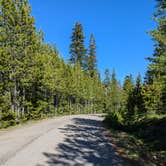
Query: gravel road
(76,140)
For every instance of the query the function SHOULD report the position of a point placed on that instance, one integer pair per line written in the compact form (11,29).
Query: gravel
(76,140)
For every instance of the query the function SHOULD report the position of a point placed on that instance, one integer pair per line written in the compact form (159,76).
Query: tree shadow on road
(85,144)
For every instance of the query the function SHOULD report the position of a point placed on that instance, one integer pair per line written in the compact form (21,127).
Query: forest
(36,82)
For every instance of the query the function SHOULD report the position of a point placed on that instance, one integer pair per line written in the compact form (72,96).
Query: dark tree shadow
(85,144)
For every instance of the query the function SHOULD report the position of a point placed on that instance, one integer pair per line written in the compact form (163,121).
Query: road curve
(76,140)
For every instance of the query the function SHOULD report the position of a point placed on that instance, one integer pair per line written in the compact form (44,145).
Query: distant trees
(115,94)
(107,81)
(79,54)
(135,102)
(148,99)
(106,85)
(112,92)
(138,108)
(34,81)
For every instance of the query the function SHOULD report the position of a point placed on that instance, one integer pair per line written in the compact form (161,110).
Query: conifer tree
(157,69)
(135,101)
(115,94)
(91,59)
(107,80)
(151,96)
(77,48)
(19,27)
(34,81)
(138,95)
(106,85)
(128,86)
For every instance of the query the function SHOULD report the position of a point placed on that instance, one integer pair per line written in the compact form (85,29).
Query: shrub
(114,119)
(8,119)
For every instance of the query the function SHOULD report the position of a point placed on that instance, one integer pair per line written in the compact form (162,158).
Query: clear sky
(119,26)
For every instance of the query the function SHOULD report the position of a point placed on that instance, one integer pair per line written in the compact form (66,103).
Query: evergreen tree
(107,80)
(135,101)
(41,36)
(91,59)
(128,86)
(77,48)
(34,81)
(138,95)
(151,97)
(115,94)
(157,69)
(106,85)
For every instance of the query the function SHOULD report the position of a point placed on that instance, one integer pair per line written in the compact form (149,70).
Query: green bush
(8,119)
(114,119)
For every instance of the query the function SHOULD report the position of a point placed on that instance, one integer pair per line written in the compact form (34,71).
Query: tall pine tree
(156,73)
(77,49)
(91,59)
(115,94)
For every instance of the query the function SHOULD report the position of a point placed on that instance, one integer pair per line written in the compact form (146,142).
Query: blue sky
(120,28)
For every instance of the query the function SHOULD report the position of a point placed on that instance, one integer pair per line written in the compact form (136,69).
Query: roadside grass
(22,123)
(143,143)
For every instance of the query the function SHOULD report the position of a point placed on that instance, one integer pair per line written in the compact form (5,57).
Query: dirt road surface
(76,140)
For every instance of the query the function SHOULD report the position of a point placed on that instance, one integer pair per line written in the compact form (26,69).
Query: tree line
(141,99)
(35,82)
(136,110)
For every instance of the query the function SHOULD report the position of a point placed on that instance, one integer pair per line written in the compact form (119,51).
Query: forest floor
(143,144)
(76,140)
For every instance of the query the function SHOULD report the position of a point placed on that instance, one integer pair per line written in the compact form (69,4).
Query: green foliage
(8,118)
(77,48)
(91,59)
(135,103)
(34,81)
(135,150)
(113,93)
(156,74)
(114,119)
(142,112)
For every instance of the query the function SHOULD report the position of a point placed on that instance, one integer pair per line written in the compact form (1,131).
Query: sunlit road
(76,140)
